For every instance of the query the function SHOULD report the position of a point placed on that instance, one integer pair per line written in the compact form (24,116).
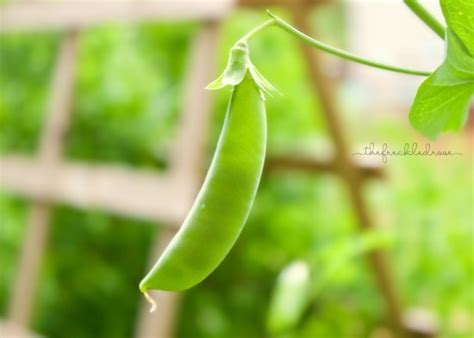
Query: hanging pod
(224,202)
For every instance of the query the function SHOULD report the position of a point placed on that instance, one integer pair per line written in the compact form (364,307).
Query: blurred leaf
(339,256)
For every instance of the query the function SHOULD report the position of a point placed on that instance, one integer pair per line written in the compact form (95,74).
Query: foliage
(442,100)
(20,130)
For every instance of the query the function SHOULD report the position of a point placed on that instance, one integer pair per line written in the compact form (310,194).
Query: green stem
(426,17)
(250,35)
(343,54)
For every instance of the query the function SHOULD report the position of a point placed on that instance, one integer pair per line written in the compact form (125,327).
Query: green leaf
(340,255)
(459,15)
(442,101)
(440,108)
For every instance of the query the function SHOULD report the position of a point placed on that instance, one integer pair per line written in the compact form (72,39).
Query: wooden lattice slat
(50,152)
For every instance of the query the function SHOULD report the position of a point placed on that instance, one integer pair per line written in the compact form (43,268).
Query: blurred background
(126,110)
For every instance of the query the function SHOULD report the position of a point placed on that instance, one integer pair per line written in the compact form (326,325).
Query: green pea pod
(290,297)
(226,197)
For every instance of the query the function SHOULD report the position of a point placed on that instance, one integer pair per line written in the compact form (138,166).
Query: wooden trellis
(47,178)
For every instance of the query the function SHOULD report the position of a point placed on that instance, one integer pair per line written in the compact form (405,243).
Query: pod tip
(150,300)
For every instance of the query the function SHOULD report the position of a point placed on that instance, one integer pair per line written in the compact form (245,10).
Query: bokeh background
(127,101)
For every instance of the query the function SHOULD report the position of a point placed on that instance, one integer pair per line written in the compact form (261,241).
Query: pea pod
(226,197)
(290,297)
